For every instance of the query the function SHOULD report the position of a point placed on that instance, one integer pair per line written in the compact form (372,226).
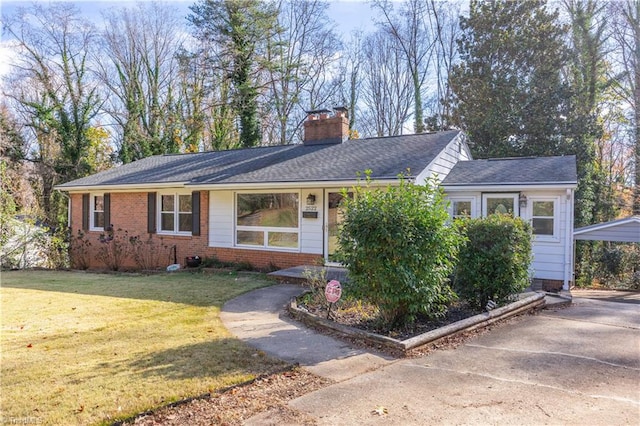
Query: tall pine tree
(509,94)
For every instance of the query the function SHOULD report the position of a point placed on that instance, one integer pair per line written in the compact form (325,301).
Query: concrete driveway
(578,365)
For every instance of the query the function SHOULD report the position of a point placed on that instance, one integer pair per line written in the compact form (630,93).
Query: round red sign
(333,291)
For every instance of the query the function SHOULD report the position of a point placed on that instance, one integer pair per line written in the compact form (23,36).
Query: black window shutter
(107,211)
(151,212)
(85,212)
(195,213)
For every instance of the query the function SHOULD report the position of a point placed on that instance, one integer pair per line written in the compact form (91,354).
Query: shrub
(316,279)
(616,265)
(398,249)
(80,251)
(149,254)
(493,263)
(114,249)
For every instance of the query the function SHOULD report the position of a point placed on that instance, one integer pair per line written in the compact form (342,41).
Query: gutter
(501,186)
(223,186)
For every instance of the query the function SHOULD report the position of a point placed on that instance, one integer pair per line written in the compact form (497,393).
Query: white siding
(549,255)
(311,229)
(455,151)
(552,256)
(221,219)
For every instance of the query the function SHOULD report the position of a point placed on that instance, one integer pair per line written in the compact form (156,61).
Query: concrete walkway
(568,365)
(258,318)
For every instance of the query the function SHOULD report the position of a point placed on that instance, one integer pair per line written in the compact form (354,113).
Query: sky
(349,15)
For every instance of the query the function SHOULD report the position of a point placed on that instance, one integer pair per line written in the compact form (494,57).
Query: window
(267,220)
(542,218)
(461,209)
(97,212)
(500,203)
(176,213)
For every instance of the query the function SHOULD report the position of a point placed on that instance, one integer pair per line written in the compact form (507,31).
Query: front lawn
(82,348)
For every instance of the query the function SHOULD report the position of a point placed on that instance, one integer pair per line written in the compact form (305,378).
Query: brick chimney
(321,128)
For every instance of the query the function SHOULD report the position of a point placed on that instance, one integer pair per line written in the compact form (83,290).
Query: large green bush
(493,263)
(398,249)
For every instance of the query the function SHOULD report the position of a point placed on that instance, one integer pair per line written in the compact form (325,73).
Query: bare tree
(138,67)
(52,93)
(350,77)
(444,25)
(387,87)
(301,55)
(627,36)
(409,28)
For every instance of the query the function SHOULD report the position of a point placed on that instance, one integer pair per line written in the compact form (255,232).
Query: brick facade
(129,213)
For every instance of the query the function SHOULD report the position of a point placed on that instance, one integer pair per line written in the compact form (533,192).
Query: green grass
(82,348)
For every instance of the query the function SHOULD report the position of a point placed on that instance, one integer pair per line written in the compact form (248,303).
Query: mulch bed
(366,317)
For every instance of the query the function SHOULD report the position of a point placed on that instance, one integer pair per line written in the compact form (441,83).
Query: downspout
(568,254)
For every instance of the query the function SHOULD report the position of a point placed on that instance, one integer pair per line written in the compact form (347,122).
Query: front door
(333,217)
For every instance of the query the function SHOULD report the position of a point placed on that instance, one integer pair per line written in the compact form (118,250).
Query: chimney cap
(341,109)
(318,111)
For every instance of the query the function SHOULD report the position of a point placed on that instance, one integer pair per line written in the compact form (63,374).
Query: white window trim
(514,195)
(92,210)
(470,199)
(176,213)
(556,222)
(266,229)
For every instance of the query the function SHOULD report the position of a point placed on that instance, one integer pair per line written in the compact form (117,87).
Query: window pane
(98,219)
(542,226)
(98,203)
(166,221)
(283,239)
(185,222)
(500,205)
(167,203)
(185,203)
(277,210)
(462,209)
(251,238)
(543,208)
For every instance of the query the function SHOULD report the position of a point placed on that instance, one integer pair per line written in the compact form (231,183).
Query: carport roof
(626,230)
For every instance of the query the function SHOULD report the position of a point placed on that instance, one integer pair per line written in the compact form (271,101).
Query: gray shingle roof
(386,157)
(515,171)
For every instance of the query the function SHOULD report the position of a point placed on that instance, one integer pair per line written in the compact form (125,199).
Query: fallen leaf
(29,345)
(380,410)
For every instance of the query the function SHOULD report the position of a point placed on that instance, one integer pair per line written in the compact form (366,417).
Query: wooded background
(520,78)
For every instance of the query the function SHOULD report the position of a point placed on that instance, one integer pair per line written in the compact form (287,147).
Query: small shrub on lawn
(398,249)
(493,263)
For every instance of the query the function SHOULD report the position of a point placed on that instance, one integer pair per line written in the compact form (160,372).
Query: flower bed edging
(472,323)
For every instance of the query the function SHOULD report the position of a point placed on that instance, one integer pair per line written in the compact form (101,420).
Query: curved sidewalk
(258,318)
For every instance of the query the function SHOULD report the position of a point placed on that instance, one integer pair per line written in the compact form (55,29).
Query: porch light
(311,199)
(523,200)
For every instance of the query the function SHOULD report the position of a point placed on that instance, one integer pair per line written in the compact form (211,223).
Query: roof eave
(123,187)
(222,186)
(510,185)
(289,184)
